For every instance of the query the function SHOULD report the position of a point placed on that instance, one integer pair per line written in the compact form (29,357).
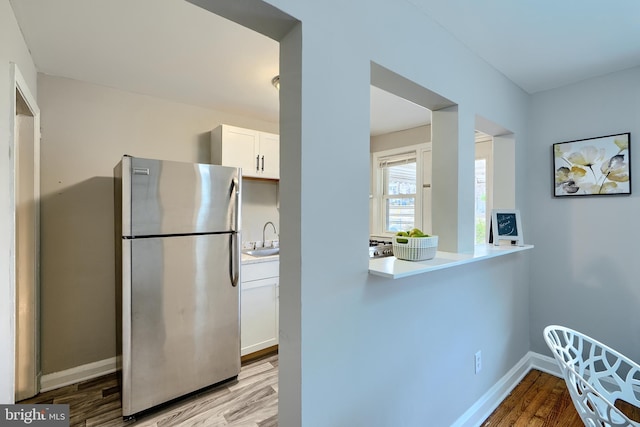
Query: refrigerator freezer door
(181,324)
(169,198)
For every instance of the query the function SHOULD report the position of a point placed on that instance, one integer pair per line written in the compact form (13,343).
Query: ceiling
(179,52)
(185,54)
(544,44)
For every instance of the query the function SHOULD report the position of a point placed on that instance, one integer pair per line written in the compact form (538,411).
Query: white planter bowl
(415,248)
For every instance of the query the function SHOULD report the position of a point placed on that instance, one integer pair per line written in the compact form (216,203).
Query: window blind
(397,159)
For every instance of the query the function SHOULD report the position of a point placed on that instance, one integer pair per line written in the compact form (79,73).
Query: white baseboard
(480,411)
(473,417)
(544,363)
(78,374)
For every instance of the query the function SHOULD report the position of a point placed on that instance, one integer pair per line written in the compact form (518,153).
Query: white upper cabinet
(257,153)
(269,153)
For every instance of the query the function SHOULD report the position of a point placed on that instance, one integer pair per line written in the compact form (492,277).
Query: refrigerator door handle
(235,191)
(234,259)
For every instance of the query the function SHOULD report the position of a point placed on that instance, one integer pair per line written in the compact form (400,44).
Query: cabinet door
(258,314)
(239,149)
(269,155)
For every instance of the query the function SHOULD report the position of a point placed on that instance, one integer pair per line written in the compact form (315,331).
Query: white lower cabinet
(259,306)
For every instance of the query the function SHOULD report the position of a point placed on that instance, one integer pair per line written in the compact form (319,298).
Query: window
(481,201)
(483,185)
(399,193)
(397,190)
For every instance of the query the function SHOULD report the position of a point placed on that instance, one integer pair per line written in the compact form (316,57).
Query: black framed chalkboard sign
(506,225)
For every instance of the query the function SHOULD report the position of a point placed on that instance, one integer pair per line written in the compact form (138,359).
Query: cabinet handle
(257,162)
(262,163)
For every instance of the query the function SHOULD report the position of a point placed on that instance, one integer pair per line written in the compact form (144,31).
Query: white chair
(596,376)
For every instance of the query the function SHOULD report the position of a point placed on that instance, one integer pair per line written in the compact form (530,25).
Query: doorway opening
(401,159)
(494,173)
(277,25)
(26,203)
(400,164)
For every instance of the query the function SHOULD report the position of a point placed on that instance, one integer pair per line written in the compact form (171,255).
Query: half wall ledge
(393,268)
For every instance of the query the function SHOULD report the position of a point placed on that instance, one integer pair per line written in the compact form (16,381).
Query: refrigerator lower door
(180,317)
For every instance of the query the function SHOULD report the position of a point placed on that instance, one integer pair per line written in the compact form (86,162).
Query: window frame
(378,220)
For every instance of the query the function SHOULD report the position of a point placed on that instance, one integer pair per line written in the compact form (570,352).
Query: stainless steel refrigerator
(178,257)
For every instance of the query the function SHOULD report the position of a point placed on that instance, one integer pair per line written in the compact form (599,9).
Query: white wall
(85,131)
(12,49)
(360,350)
(259,205)
(413,136)
(585,266)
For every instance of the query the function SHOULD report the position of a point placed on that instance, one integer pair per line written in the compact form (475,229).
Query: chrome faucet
(264,229)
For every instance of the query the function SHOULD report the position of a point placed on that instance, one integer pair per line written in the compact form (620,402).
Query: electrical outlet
(478,361)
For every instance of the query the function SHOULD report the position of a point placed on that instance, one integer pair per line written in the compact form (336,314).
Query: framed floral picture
(593,167)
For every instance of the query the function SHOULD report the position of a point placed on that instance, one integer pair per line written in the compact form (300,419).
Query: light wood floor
(252,401)
(539,400)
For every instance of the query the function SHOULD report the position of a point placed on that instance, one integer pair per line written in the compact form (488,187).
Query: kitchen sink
(262,251)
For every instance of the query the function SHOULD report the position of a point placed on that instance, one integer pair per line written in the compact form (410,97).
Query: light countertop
(393,268)
(248,259)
